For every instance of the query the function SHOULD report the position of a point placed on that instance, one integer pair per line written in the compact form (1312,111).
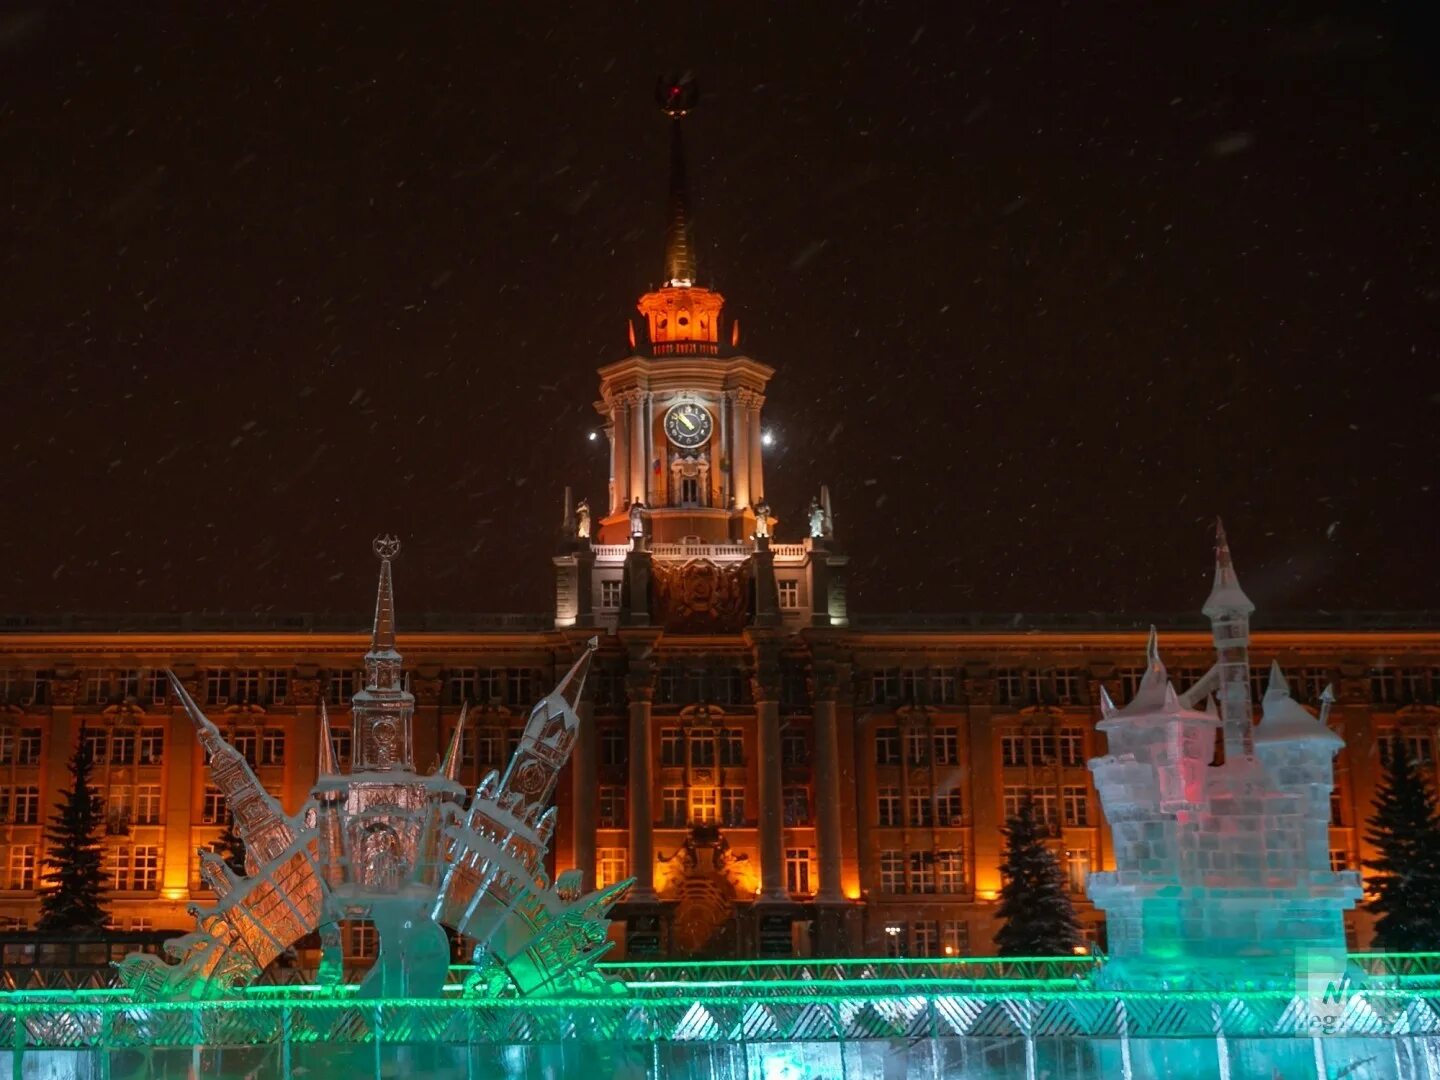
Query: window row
(921,872)
(1065,746)
(1070,805)
(914,686)
(515,687)
(923,807)
(940,746)
(125,745)
(704,747)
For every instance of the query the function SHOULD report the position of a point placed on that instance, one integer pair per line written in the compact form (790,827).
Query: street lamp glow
(767,438)
(592,435)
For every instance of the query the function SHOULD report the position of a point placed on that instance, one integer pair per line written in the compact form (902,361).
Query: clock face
(688,425)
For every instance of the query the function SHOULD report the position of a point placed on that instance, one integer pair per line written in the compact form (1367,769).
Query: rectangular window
(22,867)
(884,685)
(519,687)
(463,683)
(610,692)
(794,748)
(887,746)
(39,689)
(277,685)
(798,871)
(920,807)
(943,683)
(954,937)
(797,805)
(20,805)
(732,806)
(128,684)
(1072,747)
(672,752)
(789,595)
(1130,678)
(97,745)
(947,746)
(794,688)
(922,871)
(487,743)
(913,684)
(704,806)
(122,747)
(732,747)
(702,749)
(212,809)
(97,686)
(1337,808)
(892,871)
(669,685)
(887,801)
(727,686)
(1077,868)
(1042,748)
(917,747)
(673,809)
(925,937)
(1067,685)
(147,804)
(1339,860)
(1010,687)
(157,687)
(1044,802)
(152,745)
(610,595)
(612,808)
(247,686)
(340,687)
(217,686)
(948,809)
(340,739)
(1259,679)
(612,865)
(1012,750)
(1384,686)
(247,745)
(1415,684)
(950,871)
(1077,806)
(272,747)
(613,748)
(1310,683)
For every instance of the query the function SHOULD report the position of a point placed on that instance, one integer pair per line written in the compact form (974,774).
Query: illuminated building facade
(780,775)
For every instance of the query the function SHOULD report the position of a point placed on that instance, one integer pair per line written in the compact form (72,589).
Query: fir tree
(230,846)
(73,898)
(1035,897)
(1406,875)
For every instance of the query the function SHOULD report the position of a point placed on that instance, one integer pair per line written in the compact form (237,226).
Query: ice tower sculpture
(385,844)
(1222,870)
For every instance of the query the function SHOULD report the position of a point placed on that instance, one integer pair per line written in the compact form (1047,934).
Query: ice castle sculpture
(399,849)
(1222,870)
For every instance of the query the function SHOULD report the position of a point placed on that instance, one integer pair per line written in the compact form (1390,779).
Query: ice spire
(450,766)
(382,674)
(326,765)
(1226,595)
(677,97)
(549,735)
(258,817)
(381,712)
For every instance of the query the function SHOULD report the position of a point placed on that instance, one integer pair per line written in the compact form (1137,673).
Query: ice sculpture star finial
(387,546)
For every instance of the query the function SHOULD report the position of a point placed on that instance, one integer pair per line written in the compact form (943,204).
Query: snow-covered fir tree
(73,899)
(1405,876)
(1035,897)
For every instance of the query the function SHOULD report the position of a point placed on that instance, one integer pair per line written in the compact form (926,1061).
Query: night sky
(1046,285)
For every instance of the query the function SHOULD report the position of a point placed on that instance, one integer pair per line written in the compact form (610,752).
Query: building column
(827,791)
(740,450)
(636,402)
(641,691)
(765,690)
(584,792)
(757,454)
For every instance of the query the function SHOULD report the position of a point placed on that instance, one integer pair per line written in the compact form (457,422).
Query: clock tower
(683,536)
(682,411)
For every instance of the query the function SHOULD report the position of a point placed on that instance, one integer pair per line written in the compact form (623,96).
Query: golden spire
(677,97)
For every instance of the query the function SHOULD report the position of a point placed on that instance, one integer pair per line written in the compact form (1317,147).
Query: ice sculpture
(1222,870)
(386,844)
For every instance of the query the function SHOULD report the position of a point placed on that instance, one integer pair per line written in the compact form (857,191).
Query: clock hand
(686,421)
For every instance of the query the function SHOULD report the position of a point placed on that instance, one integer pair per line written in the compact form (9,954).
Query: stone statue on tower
(762,520)
(582,519)
(817,519)
(637,518)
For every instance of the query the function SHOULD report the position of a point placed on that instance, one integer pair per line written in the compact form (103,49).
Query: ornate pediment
(700,596)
